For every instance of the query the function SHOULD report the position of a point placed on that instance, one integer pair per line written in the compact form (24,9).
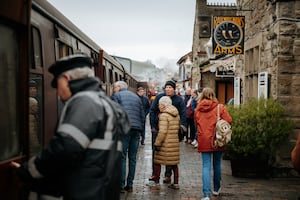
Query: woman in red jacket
(206,118)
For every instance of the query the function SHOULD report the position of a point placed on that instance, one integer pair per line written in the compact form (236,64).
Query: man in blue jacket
(177,101)
(135,111)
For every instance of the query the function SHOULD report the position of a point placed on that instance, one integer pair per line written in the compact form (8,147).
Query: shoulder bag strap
(218,112)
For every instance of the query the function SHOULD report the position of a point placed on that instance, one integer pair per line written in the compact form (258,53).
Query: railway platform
(190,181)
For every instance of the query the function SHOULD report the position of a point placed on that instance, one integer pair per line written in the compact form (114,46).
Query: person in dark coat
(190,133)
(73,165)
(146,105)
(177,101)
(135,111)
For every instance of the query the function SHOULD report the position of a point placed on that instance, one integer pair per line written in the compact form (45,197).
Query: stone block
(287,27)
(285,45)
(284,85)
(286,64)
(297,9)
(296,48)
(285,9)
(291,104)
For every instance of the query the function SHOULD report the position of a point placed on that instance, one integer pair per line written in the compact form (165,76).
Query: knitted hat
(171,83)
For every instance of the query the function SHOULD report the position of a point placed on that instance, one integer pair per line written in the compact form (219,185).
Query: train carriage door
(14,62)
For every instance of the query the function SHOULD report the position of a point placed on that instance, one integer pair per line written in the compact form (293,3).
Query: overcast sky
(158,30)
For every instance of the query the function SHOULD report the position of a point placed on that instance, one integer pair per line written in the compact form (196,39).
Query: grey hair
(165,101)
(121,84)
(82,72)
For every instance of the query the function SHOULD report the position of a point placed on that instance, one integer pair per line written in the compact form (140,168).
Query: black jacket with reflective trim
(69,162)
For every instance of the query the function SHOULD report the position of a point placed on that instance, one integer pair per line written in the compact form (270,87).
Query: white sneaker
(194,142)
(216,193)
(150,183)
(196,145)
(153,185)
(205,198)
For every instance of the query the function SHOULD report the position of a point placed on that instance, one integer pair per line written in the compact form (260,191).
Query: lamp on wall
(209,50)
(212,69)
(188,64)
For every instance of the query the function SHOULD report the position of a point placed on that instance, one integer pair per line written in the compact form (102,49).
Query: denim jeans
(143,135)
(206,168)
(130,147)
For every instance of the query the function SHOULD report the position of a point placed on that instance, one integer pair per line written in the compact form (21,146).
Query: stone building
(270,65)
(202,71)
(272,53)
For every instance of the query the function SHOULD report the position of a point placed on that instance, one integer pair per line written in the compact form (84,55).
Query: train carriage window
(9,114)
(104,74)
(111,76)
(37,60)
(35,114)
(116,76)
(64,50)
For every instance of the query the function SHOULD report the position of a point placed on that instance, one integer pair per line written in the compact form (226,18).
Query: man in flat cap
(74,164)
(177,101)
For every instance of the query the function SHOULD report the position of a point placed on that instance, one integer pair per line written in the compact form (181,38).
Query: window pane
(35,114)
(37,51)
(9,65)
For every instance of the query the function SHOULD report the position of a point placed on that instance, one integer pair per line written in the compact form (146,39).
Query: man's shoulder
(84,96)
(145,97)
(129,95)
(177,98)
(158,96)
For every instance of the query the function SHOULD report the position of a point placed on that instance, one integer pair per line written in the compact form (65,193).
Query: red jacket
(206,119)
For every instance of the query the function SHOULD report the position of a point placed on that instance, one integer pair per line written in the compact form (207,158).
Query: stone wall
(274,27)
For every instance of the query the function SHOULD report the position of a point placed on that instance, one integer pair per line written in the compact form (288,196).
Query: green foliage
(259,127)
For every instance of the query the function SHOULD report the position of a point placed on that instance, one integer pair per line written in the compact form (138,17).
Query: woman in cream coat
(167,143)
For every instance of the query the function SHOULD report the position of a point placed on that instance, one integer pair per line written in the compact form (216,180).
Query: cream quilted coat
(167,138)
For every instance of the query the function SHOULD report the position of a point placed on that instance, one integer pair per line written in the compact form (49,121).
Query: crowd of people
(76,163)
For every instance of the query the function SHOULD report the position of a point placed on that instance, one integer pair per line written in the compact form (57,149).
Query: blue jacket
(177,101)
(133,106)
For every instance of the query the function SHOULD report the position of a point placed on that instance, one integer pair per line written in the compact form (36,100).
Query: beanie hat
(171,83)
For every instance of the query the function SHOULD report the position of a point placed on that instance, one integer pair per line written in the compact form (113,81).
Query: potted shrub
(259,128)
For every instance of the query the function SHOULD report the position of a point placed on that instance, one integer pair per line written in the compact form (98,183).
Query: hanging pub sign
(228,34)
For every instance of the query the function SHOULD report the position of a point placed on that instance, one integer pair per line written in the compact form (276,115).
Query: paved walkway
(191,184)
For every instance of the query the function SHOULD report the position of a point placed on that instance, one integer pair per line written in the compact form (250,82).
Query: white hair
(121,84)
(165,101)
(81,72)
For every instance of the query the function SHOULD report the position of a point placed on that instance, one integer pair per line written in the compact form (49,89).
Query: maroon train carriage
(33,35)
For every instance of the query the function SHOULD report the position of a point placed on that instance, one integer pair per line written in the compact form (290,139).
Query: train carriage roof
(49,11)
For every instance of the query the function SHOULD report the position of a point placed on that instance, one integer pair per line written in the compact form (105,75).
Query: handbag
(222,132)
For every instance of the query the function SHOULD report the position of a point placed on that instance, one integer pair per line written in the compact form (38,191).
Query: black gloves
(156,148)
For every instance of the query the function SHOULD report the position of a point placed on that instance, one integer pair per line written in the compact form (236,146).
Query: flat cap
(67,63)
